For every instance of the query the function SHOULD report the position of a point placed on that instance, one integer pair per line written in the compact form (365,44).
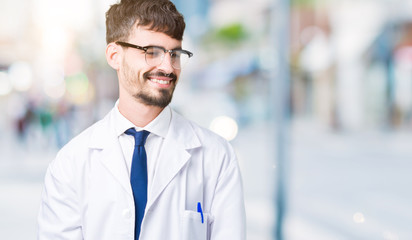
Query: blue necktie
(138,176)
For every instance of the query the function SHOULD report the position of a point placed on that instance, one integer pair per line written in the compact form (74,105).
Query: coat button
(127,213)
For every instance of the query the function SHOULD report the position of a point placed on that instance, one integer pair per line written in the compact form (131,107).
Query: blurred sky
(348,161)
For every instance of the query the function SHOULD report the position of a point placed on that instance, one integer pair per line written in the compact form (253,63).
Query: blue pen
(199,210)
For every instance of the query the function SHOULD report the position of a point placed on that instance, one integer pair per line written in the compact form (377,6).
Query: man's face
(150,85)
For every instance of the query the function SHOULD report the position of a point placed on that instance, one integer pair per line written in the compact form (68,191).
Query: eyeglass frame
(145,48)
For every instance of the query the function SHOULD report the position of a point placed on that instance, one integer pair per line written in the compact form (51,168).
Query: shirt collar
(159,126)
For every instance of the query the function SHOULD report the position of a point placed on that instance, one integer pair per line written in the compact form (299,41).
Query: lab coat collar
(181,137)
(104,132)
(182,132)
(159,126)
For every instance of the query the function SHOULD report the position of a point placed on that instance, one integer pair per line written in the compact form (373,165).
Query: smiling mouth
(160,81)
(161,78)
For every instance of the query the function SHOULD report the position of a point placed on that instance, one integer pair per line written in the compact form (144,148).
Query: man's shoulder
(206,136)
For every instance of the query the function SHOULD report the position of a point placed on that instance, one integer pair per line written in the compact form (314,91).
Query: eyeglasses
(155,55)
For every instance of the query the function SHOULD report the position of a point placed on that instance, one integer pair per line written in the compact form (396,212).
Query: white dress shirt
(158,129)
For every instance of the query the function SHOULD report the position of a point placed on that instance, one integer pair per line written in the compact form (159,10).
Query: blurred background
(314,95)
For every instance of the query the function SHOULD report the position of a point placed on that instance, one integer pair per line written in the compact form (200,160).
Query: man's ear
(113,55)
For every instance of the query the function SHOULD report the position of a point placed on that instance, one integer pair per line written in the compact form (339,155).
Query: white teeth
(159,81)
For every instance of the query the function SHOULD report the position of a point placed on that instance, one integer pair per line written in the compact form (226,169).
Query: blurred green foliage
(228,36)
(303,2)
(232,33)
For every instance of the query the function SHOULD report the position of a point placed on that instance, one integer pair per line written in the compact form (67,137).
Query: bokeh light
(21,76)
(5,84)
(54,85)
(358,217)
(225,127)
(79,89)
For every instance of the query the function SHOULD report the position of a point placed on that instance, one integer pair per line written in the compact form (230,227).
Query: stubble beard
(161,99)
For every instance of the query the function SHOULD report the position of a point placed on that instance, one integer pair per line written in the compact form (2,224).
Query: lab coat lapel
(109,152)
(174,155)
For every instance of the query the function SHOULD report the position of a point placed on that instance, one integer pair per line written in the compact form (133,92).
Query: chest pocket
(192,226)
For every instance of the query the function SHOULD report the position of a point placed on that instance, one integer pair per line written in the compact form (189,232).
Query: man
(144,172)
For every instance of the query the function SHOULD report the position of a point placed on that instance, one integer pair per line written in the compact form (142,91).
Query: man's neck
(138,113)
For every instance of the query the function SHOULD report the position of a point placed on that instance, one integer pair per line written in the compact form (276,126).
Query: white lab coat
(87,193)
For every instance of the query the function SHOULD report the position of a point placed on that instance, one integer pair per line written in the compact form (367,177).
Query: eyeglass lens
(155,56)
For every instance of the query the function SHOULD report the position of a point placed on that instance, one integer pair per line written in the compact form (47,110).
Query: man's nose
(166,64)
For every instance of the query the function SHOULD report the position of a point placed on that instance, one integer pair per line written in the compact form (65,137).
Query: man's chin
(162,100)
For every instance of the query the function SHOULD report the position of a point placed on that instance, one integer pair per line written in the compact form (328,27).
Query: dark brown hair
(158,15)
